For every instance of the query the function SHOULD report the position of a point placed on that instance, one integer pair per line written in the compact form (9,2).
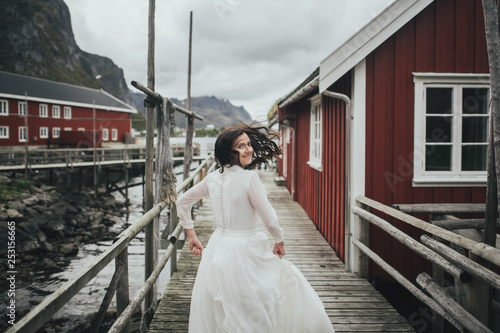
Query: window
(4,132)
(56,111)
(4,107)
(44,113)
(67,129)
(21,109)
(67,112)
(451,129)
(316,134)
(105,134)
(81,129)
(22,134)
(56,132)
(114,134)
(44,132)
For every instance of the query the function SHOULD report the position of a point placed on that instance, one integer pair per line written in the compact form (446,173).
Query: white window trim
(6,136)
(81,129)
(6,103)
(56,132)
(439,178)
(105,134)
(57,114)
(44,111)
(21,130)
(114,134)
(67,129)
(44,132)
(22,109)
(314,162)
(67,115)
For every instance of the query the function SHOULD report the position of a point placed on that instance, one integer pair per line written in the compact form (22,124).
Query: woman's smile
(244,148)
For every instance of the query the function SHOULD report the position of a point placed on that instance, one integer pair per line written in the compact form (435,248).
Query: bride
(241,286)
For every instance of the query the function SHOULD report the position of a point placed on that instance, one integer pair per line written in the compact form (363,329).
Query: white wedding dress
(241,286)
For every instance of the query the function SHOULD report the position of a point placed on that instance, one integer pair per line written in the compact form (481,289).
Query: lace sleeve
(187,200)
(258,197)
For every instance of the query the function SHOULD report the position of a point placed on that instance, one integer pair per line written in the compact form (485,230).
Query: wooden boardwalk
(352,303)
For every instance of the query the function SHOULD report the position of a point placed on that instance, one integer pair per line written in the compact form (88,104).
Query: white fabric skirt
(242,287)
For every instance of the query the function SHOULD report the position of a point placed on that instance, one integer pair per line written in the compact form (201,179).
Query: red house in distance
(46,113)
(399,114)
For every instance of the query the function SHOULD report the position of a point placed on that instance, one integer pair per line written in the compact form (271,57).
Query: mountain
(37,40)
(215,111)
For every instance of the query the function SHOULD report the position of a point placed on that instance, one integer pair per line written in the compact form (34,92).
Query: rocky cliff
(37,40)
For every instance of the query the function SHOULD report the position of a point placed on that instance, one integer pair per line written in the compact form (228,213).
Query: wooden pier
(352,303)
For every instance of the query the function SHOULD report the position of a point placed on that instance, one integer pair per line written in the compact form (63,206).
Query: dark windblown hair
(261,139)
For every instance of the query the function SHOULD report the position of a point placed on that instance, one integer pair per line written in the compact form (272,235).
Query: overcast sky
(251,52)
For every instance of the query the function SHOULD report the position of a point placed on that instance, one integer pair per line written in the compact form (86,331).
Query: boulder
(14,215)
(4,216)
(70,209)
(48,264)
(28,246)
(46,246)
(31,201)
(5,180)
(17,205)
(69,249)
(54,226)
(39,208)
(33,230)
(31,214)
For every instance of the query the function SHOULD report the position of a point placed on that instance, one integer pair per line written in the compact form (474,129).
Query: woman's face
(244,148)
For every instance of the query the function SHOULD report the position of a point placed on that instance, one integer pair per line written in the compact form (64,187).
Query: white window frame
(44,111)
(56,111)
(44,132)
(316,133)
(22,108)
(81,129)
(455,177)
(56,132)
(22,133)
(114,134)
(4,107)
(4,132)
(105,134)
(67,129)
(67,112)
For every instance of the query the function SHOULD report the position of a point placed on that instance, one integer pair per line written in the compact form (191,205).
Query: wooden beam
(440,208)
(452,307)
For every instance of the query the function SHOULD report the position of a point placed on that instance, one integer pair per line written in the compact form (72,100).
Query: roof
(367,39)
(44,91)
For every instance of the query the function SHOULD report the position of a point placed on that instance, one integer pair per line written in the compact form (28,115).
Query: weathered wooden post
(188,151)
(151,249)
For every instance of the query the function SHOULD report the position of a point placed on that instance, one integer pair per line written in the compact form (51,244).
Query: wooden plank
(351,302)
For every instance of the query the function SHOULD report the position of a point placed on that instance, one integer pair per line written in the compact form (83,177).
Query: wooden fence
(119,282)
(444,258)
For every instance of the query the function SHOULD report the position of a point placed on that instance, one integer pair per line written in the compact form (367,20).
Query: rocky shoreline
(50,227)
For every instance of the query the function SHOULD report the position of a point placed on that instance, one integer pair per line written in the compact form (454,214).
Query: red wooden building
(398,113)
(38,111)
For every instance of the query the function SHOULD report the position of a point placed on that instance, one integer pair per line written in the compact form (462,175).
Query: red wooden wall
(80,118)
(322,194)
(446,37)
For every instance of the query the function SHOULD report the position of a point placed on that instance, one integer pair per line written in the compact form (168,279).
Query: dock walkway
(351,302)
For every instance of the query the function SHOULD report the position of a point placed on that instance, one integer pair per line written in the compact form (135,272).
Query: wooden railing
(119,282)
(462,268)
(19,159)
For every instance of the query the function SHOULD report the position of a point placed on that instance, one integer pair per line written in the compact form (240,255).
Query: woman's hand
(279,249)
(194,244)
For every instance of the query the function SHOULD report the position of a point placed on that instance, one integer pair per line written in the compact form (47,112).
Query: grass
(9,191)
